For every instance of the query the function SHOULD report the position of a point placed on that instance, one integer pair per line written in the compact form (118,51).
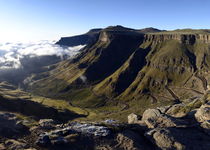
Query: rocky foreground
(183,126)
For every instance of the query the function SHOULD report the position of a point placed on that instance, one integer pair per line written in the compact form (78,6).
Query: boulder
(151,113)
(90,129)
(179,138)
(129,140)
(203,113)
(133,118)
(165,121)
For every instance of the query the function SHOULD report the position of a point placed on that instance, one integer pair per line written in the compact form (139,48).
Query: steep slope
(96,62)
(84,39)
(131,69)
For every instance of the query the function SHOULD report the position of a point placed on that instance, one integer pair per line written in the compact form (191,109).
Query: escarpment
(182,38)
(88,38)
(127,68)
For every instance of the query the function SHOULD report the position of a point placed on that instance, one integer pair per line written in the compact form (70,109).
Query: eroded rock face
(183,38)
(168,131)
(158,118)
(61,135)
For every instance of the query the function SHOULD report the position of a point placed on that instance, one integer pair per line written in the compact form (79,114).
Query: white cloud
(12,53)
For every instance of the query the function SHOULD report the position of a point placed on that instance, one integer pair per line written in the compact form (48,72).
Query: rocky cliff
(129,69)
(83,39)
(182,38)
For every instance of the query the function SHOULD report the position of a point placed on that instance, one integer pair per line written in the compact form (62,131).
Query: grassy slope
(168,63)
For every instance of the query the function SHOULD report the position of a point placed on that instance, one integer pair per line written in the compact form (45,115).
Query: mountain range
(131,68)
(114,88)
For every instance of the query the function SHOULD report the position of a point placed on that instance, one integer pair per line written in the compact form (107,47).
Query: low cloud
(12,53)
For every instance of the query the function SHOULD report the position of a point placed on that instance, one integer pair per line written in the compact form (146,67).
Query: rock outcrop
(158,128)
(169,132)
(203,113)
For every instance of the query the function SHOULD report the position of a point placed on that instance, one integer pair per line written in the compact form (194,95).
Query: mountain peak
(118,28)
(150,30)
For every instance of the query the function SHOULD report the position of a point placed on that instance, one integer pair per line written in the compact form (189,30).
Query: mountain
(126,89)
(150,30)
(131,70)
(83,39)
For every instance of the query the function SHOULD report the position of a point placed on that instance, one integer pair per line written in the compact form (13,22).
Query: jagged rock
(47,123)
(158,118)
(64,135)
(179,138)
(163,139)
(133,118)
(164,121)
(15,145)
(10,125)
(203,113)
(150,113)
(130,140)
(90,129)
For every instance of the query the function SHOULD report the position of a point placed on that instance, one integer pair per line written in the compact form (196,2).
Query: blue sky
(51,19)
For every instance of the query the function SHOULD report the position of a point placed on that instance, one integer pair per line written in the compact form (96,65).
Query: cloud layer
(12,53)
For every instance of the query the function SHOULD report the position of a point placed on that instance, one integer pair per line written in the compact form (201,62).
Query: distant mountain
(127,66)
(84,39)
(150,30)
(156,80)
(92,35)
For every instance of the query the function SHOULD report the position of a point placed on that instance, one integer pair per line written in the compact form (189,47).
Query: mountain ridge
(125,68)
(129,67)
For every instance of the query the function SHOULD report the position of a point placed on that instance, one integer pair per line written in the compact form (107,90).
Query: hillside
(126,89)
(127,70)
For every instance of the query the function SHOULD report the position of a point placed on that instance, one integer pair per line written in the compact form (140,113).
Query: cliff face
(182,38)
(128,67)
(204,38)
(84,39)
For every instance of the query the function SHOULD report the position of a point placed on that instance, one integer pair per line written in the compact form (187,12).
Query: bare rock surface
(203,113)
